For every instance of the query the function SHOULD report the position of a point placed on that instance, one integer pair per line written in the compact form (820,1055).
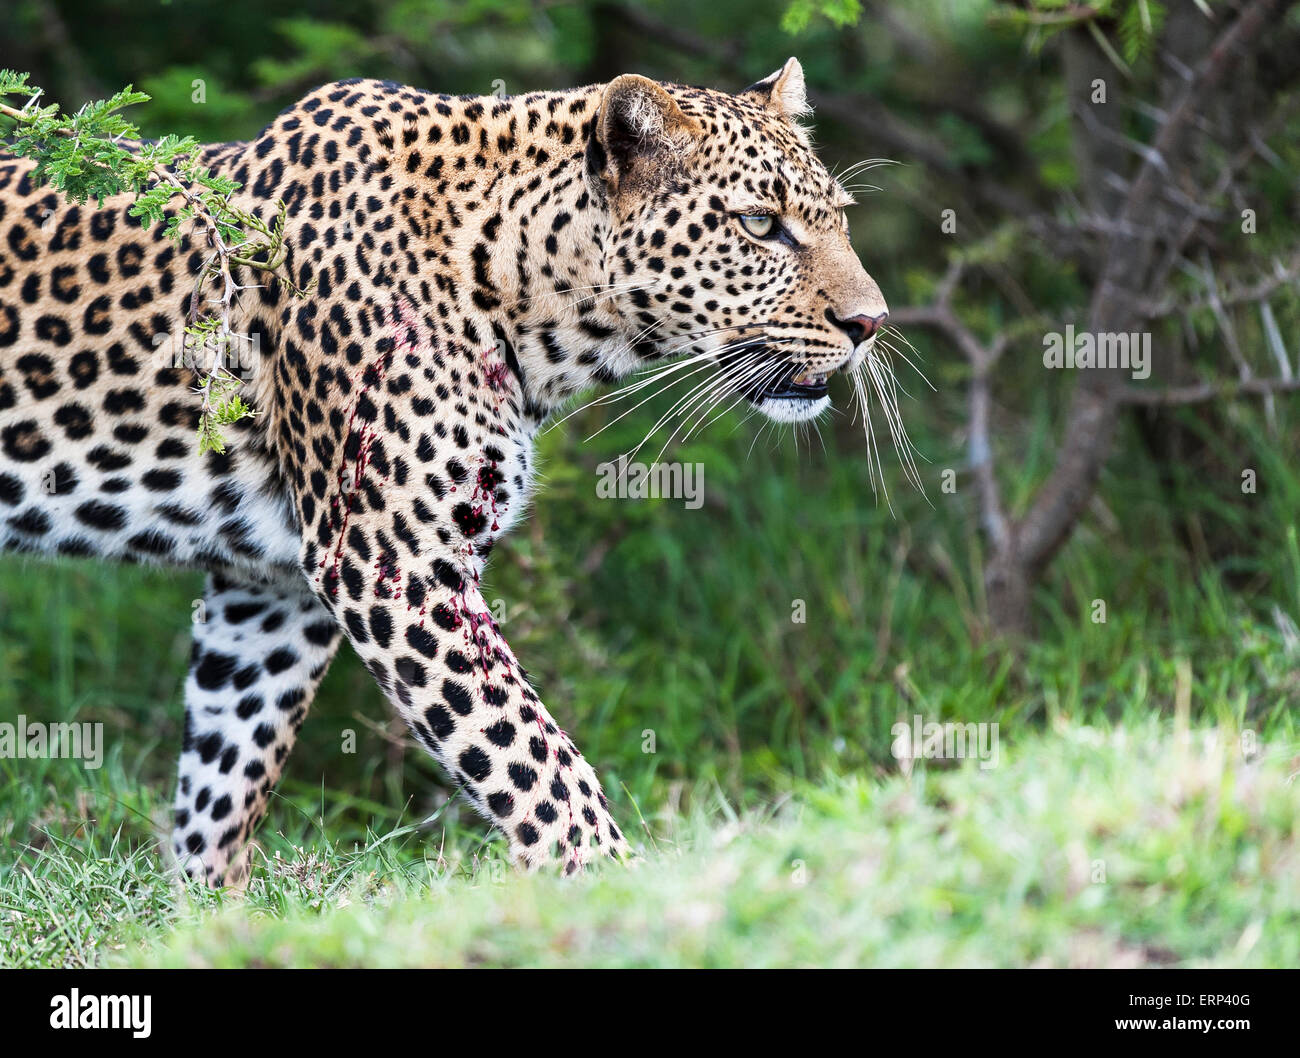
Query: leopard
(458,270)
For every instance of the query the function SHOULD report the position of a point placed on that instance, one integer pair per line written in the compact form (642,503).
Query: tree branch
(939,316)
(1094,405)
(1208,391)
(1283,275)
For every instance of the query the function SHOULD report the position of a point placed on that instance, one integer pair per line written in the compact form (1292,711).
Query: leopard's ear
(785,91)
(639,126)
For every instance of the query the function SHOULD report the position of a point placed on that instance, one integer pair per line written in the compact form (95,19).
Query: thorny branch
(261,246)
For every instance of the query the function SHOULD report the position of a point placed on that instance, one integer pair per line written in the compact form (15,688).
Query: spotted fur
(472,263)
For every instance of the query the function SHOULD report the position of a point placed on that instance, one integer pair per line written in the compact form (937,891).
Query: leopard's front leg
(428,638)
(428,463)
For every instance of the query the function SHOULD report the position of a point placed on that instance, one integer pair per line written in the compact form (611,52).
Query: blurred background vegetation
(639,617)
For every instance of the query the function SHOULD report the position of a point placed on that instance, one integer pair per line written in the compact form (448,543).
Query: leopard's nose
(858,328)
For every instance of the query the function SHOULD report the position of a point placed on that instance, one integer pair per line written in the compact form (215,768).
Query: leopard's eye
(759,225)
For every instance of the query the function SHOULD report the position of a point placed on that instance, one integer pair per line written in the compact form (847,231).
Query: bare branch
(1094,405)
(1208,391)
(939,316)
(1284,274)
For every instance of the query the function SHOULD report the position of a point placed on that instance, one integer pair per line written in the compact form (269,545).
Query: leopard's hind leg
(259,654)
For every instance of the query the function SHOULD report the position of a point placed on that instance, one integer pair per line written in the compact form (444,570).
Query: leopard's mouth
(791,393)
(793,382)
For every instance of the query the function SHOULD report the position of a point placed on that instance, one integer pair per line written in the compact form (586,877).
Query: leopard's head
(729,241)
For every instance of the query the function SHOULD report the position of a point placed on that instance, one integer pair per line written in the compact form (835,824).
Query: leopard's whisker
(874,465)
(709,358)
(654,376)
(703,398)
(887,369)
(884,352)
(700,391)
(656,371)
(754,380)
(861,166)
(706,381)
(741,382)
(894,332)
(742,385)
(893,419)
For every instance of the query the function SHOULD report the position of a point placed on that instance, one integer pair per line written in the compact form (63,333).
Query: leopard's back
(98,413)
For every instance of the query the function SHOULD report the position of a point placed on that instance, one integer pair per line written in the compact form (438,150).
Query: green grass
(646,622)
(1084,847)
